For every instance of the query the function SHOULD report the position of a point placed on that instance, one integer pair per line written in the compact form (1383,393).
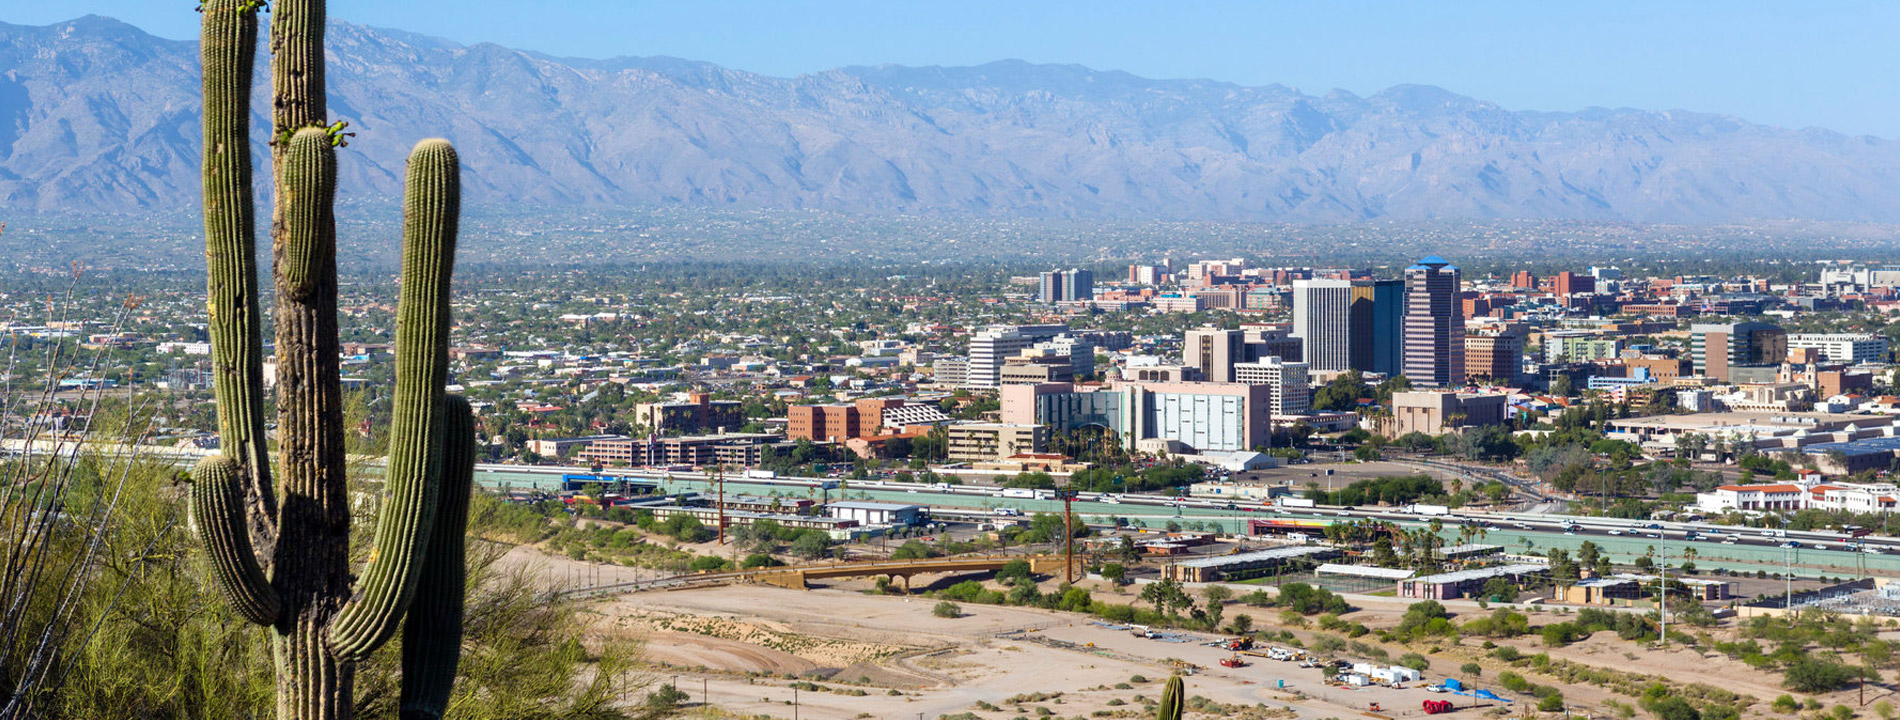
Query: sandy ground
(742,647)
(938,666)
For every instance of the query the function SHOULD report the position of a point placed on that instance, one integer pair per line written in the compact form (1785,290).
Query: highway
(1622,540)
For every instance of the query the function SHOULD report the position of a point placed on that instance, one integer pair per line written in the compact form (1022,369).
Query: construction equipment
(1436,707)
(1232,662)
(1245,643)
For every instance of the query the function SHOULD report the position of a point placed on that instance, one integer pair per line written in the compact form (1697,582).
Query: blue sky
(1822,63)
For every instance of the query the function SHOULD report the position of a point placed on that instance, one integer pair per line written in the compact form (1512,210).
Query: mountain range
(98,115)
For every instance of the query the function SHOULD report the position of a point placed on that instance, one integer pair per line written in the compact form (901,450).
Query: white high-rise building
(1292,393)
(1848,348)
(990,348)
(1080,352)
(1322,319)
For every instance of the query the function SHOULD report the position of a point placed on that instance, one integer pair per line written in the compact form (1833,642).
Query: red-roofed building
(1752,497)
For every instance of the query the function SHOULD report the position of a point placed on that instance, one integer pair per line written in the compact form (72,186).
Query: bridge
(795,576)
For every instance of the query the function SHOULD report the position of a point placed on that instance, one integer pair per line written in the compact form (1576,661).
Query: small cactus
(1172,699)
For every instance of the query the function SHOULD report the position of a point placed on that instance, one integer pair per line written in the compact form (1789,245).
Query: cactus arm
(305,253)
(217,508)
(431,207)
(432,632)
(228,52)
(1172,702)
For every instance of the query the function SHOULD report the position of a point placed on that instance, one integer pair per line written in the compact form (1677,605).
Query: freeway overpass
(1623,539)
(796,576)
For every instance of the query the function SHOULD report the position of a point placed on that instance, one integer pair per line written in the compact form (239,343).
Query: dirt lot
(876,656)
(739,643)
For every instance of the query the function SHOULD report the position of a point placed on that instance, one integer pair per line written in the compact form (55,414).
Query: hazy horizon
(1803,67)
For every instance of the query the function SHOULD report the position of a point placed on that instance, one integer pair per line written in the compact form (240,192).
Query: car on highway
(1616,532)
(1791,544)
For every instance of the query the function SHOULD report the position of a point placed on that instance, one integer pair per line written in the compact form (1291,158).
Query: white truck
(1028,493)
(1296,502)
(1431,510)
(761,474)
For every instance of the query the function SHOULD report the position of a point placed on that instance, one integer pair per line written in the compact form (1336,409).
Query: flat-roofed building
(1496,357)
(1436,413)
(875,513)
(1454,585)
(1246,565)
(1845,348)
(1022,369)
(971,442)
(697,414)
(1719,349)
(1292,391)
(1204,417)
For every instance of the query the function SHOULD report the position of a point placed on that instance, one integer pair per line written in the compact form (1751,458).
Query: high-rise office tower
(1434,328)
(1322,319)
(1050,289)
(1214,351)
(1378,321)
(1567,283)
(1496,357)
(1063,285)
(1717,349)
(990,348)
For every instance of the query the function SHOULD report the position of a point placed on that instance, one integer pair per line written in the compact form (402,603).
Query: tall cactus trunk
(323,619)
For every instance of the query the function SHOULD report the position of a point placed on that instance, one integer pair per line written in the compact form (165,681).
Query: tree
(947,609)
(1812,675)
(1673,708)
(1500,588)
(811,546)
(1243,624)
(1342,393)
(1167,597)
(1115,573)
(1563,387)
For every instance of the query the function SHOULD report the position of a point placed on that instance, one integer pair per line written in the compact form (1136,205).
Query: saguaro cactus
(279,552)
(1172,702)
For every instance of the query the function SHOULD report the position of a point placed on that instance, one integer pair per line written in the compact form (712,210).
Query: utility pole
(1068,534)
(1787,573)
(719,478)
(1662,604)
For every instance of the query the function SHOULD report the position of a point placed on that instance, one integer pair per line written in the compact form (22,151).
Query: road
(1530,531)
(1622,540)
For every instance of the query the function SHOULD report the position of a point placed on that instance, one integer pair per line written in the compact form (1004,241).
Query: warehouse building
(1245,565)
(1454,585)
